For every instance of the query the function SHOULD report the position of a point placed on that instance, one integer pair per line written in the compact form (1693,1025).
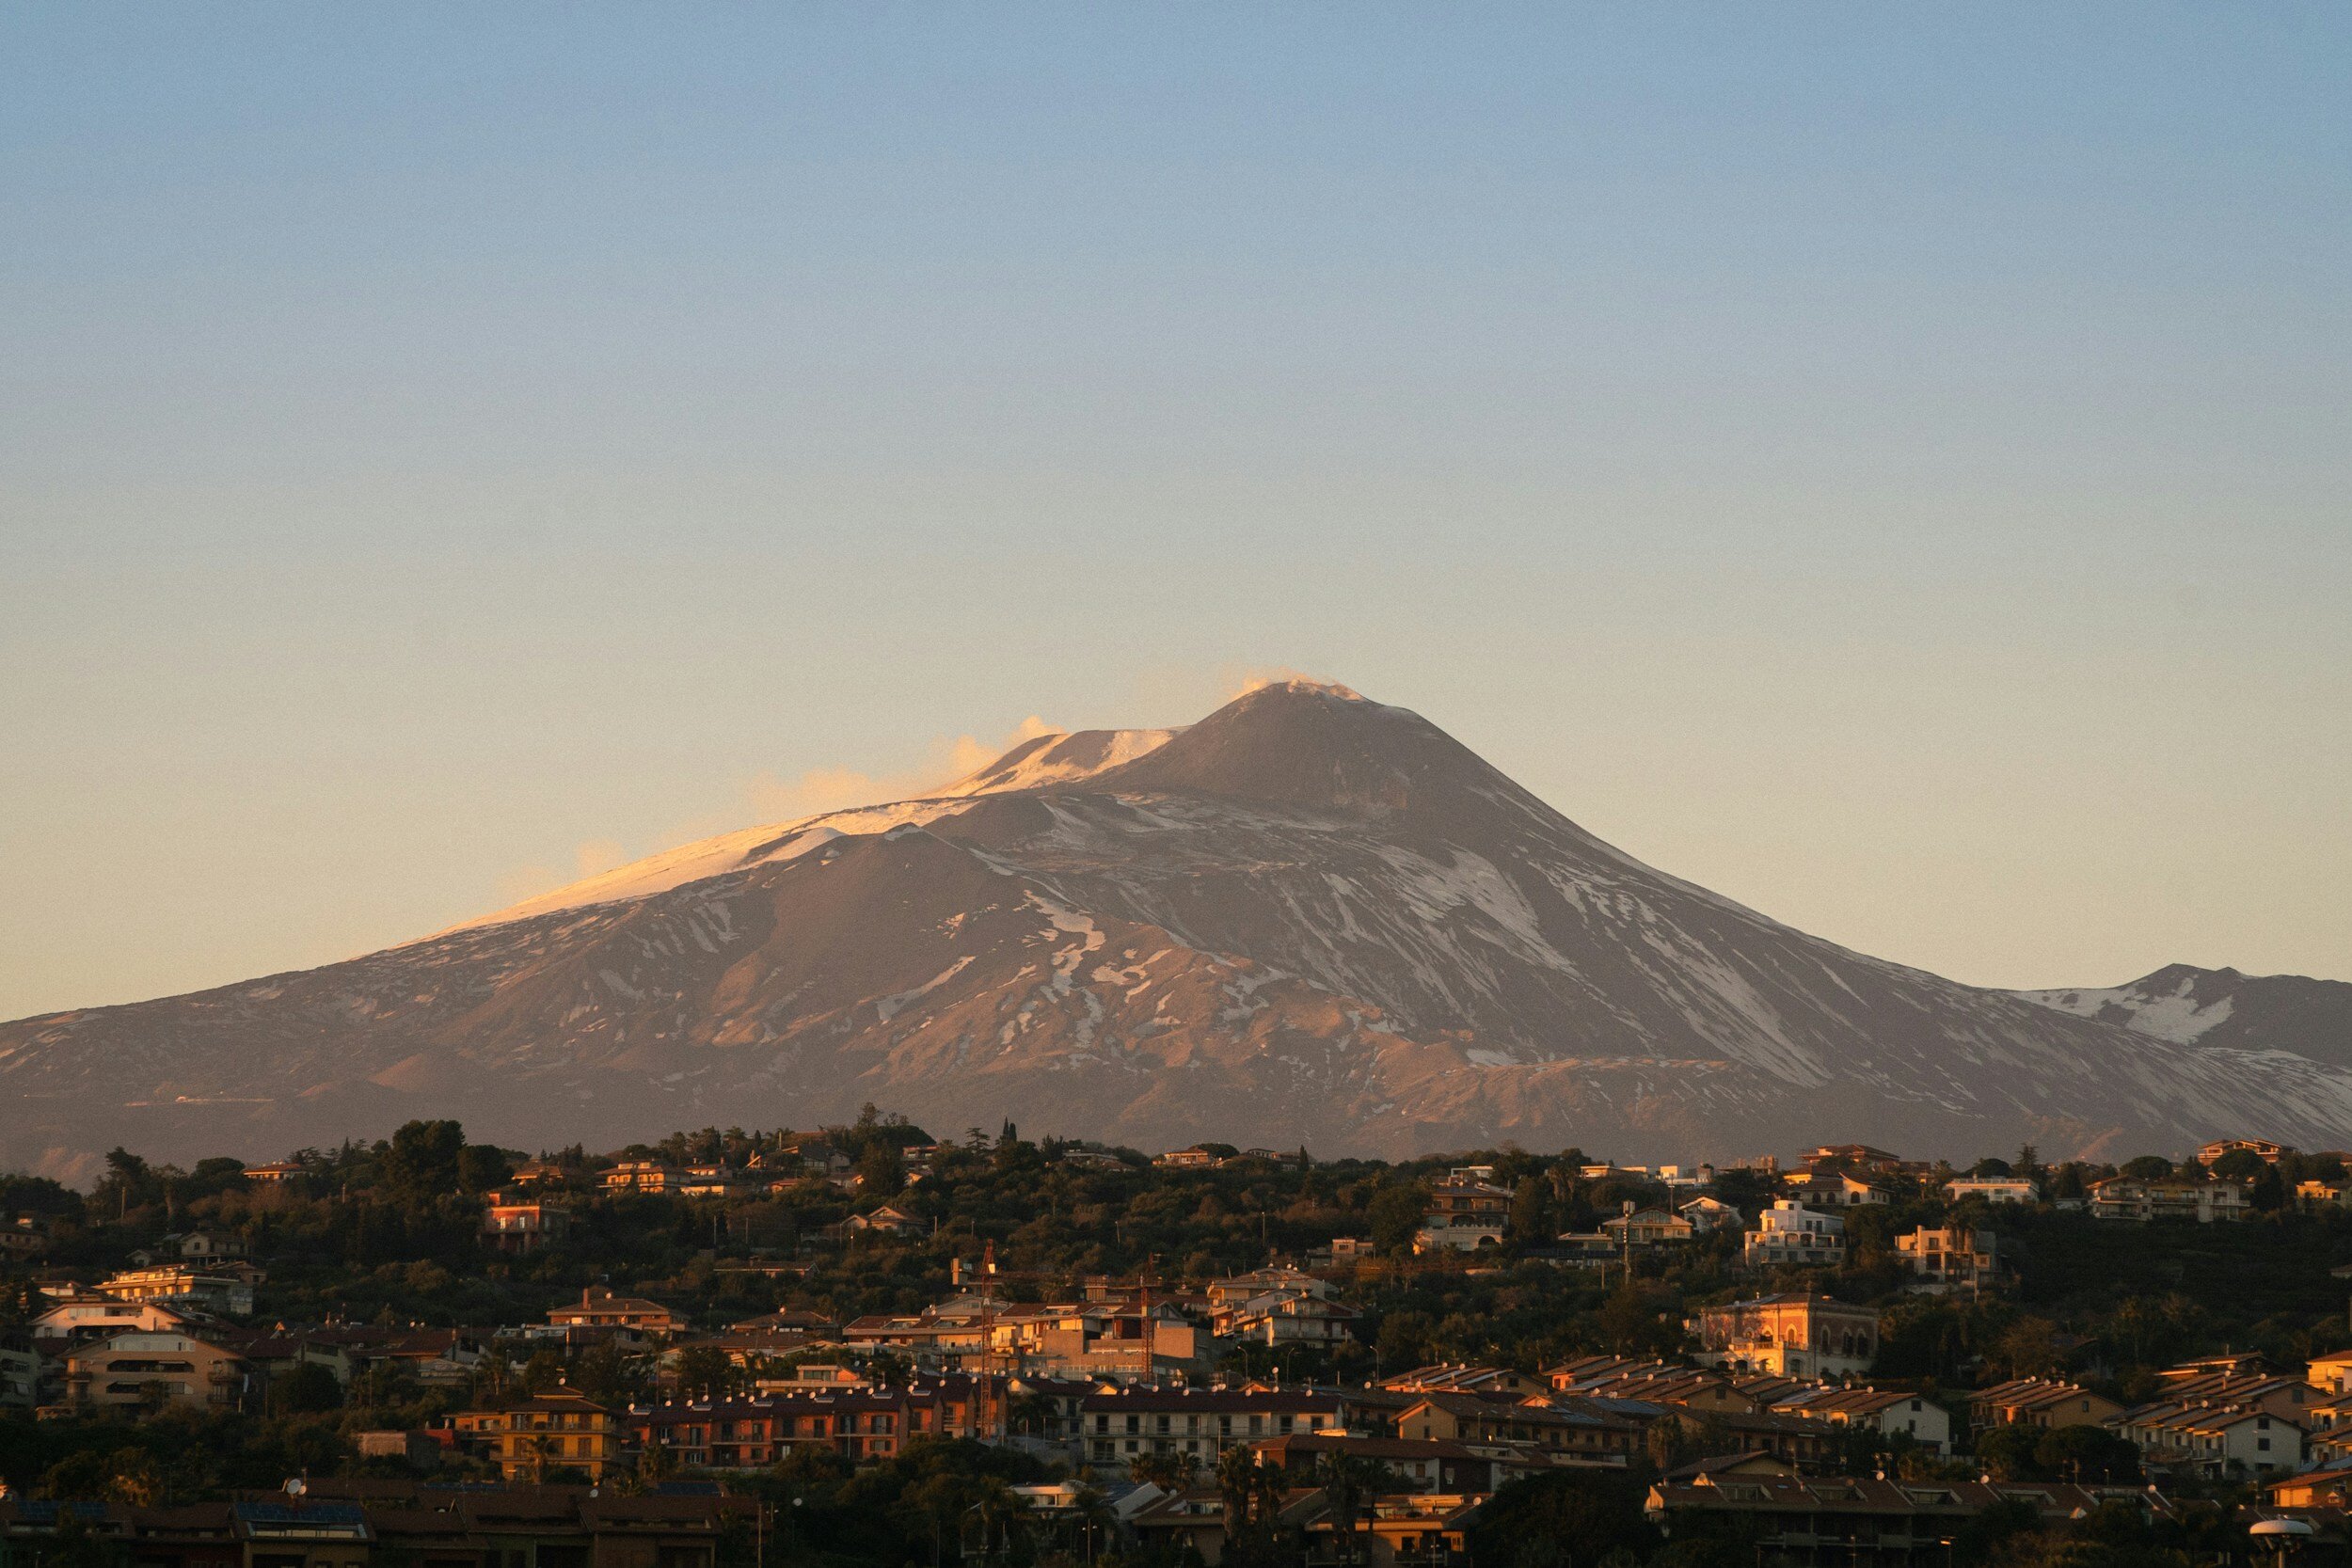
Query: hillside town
(865,1345)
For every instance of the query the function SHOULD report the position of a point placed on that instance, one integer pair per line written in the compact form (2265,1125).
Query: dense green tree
(2085,1454)
(421,1161)
(1593,1514)
(1396,1216)
(883,1170)
(2009,1452)
(307,1386)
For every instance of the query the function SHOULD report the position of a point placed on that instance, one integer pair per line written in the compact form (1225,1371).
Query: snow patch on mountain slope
(2174,1016)
(888,1007)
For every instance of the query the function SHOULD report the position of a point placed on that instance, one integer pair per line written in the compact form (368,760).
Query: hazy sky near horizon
(1886,464)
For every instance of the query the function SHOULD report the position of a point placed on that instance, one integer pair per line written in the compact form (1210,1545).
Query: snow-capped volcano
(2222,1007)
(1307,918)
(1060,758)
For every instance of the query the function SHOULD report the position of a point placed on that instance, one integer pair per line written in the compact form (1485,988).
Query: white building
(1789,1335)
(1922,1420)
(1710,1214)
(2212,1440)
(1791,1233)
(1950,1259)
(1831,1189)
(1993,1189)
(82,1318)
(1285,1317)
(2126,1197)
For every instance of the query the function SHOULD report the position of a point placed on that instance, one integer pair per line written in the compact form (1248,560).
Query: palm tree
(998,1515)
(1350,1481)
(1252,1496)
(1032,1412)
(1094,1513)
(1169,1472)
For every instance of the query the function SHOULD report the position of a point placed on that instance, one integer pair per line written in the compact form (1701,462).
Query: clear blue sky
(1888,464)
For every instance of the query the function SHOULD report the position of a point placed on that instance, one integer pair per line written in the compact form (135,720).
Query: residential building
(2170,1198)
(1993,1189)
(1800,1442)
(856,1420)
(1854,1156)
(1199,1423)
(1341,1251)
(1285,1317)
(2252,1388)
(1788,1232)
(351,1524)
(2192,1437)
(430,1355)
(2039,1401)
(82,1318)
(1258,1282)
(2231,1363)
(1123,1335)
(276,1172)
(642,1175)
(600,1308)
(1463,1378)
(1831,1189)
(1595,1430)
(1190,1525)
(814,1324)
(1195,1158)
(1454,1469)
(1658,1381)
(135,1371)
(1790,1335)
(1466,1211)
(710,1180)
(181,1285)
(1846,1521)
(1889,1414)
(2331,1487)
(2261,1148)
(205,1246)
(1949,1259)
(1707,1212)
(1649,1227)
(531,1435)
(2331,1372)
(517,1222)
(28,1236)
(946,1333)
(888,1220)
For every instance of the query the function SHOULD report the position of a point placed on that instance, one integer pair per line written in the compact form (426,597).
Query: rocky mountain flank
(1308,918)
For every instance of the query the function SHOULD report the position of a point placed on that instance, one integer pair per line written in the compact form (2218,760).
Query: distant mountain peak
(2186,1005)
(1307,917)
